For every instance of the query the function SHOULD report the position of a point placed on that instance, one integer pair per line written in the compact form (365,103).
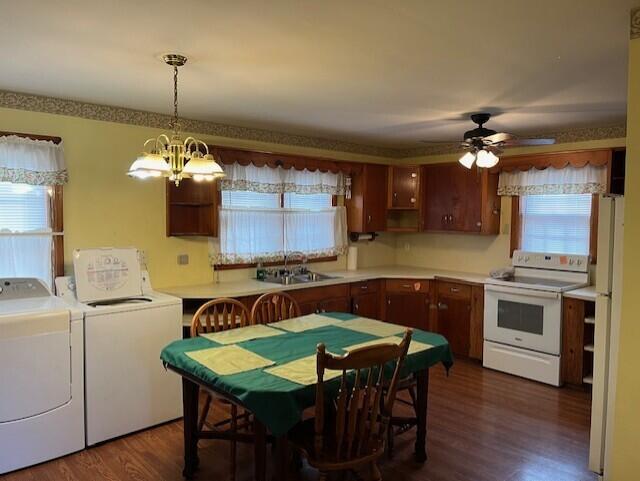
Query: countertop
(584,293)
(250,287)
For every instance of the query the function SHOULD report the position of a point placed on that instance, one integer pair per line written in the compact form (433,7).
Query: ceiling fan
(485,145)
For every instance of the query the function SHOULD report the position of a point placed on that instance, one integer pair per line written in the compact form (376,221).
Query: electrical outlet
(407,246)
(183,259)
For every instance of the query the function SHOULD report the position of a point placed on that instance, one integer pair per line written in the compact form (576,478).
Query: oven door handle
(523,292)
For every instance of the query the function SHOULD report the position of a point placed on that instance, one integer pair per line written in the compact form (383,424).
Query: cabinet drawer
(407,285)
(319,293)
(453,290)
(364,287)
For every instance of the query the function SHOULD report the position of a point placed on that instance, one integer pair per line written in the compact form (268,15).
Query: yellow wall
(626,442)
(104,207)
(467,252)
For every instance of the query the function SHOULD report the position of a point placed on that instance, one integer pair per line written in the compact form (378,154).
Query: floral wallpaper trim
(635,23)
(74,108)
(590,188)
(31,177)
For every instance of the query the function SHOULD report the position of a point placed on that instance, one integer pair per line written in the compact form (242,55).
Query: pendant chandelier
(173,157)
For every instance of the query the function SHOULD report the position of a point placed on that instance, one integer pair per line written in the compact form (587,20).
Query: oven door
(525,318)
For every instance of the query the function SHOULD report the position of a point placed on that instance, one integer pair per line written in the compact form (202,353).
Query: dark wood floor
(483,426)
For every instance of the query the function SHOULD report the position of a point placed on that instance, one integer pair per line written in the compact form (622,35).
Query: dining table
(269,371)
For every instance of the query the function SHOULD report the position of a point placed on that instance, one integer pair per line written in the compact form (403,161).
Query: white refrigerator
(607,330)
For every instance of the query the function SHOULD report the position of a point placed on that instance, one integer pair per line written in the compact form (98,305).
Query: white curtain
(252,229)
(26,256)
(568,180)
(278,180)
(34,162)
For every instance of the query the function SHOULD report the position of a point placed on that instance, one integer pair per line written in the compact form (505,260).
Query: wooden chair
(213,316)
(353,435)
(273,307)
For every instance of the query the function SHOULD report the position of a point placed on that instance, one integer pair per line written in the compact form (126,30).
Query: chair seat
(302,437)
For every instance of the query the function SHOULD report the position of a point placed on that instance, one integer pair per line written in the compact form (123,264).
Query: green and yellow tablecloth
(277,402)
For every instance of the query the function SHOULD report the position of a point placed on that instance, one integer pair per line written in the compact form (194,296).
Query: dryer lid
(107,273)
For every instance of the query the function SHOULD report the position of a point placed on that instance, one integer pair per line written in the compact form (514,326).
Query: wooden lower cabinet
(454,317)
(366,305)
(571,359)
(323,299)
(411,310)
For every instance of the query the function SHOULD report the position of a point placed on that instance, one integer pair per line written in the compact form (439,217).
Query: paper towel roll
(352,258)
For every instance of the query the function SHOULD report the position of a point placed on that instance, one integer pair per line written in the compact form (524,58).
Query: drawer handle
(364,287)
(442,306)
(407,286)
(455,289)
(355,307)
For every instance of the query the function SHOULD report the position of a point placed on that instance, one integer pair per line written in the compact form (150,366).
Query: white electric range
(523,314)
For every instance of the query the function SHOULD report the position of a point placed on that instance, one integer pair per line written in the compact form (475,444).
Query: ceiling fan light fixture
(468,159)
(487,159)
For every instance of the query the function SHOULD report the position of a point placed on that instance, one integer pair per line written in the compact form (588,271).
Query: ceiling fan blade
(514,142)
(498,138)
(439,141)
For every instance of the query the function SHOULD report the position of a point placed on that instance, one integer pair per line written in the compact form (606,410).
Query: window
(268,212)
(26,231)
(559,223)
(32,172)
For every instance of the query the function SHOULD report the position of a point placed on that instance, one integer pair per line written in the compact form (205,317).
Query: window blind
(558,223)
(307,201)
(23,207)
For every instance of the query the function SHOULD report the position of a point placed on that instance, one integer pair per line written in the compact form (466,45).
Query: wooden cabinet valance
(228,155)
(557,160)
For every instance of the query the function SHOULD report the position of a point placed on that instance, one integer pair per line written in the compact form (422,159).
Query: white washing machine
(41,375)
(127,325)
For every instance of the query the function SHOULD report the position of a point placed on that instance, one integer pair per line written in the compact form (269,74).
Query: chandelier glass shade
(174,157)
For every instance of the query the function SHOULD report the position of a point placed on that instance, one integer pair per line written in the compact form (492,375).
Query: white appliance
(607,330)
(126,326)
(41,378)
(523,314)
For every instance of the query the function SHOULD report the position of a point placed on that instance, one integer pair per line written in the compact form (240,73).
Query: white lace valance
(568,180)
(34,162)
(278,180)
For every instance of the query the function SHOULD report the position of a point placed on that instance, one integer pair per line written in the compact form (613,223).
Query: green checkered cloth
(277,402)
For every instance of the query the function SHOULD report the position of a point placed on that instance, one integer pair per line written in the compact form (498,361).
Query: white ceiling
(378,72)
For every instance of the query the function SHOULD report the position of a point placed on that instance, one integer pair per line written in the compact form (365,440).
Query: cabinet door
(374,201)
(403,187)
(571,359)
(437,202)
(308,307)
(453,323)
(366,305)
(466,208)
(409,310)
(340,304)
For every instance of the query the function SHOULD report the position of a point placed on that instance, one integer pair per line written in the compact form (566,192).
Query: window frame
(227,267)
(516,227)
(56,210)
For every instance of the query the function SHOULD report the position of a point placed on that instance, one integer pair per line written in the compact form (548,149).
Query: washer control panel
(22,288)
(558,262)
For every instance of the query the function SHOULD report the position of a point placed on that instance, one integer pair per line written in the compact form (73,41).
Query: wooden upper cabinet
(367,208)
(459,199)
(192,208)
(404,187)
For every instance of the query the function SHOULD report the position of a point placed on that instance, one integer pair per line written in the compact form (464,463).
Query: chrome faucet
(301,256)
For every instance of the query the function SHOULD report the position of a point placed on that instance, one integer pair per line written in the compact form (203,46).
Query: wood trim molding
(258,158)
(516,228)
(57,225)
(557,160)
(593,231)
(635,23)
(55,140)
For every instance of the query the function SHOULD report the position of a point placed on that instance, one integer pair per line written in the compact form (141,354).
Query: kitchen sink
(304,278)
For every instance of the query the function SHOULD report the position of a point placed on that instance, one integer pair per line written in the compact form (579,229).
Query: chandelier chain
(175,99)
